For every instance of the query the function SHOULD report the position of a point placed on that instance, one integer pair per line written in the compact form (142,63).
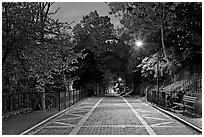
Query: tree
(88,71)
(186,39)
(145,18)
(146,21)
(93,35)
(115,61)
(34,44)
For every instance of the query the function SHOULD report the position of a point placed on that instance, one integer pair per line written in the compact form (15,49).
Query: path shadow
(190,115)
(111,95)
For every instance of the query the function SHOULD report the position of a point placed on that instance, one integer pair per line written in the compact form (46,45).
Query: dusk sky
(74,11)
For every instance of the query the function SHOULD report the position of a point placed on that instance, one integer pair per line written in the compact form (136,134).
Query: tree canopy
(177,25)
(34,45)
(39,51)
(95,35)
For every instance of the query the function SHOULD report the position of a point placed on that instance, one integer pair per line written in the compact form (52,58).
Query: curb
(46,120)
(176,117)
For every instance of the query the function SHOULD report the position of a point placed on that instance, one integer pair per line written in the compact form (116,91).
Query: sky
(74,11)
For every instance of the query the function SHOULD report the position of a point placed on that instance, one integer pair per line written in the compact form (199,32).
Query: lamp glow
(139,43)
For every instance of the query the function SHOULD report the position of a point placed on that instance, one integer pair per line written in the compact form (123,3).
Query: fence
(158,98)
(16,101)
(66,99)
(53,100)
(191,87)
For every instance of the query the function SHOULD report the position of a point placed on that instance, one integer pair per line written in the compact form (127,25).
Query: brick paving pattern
(197,121)
(114,115)
(161,123)
(66,122)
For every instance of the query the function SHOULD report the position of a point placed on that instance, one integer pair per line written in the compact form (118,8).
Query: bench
(188,103)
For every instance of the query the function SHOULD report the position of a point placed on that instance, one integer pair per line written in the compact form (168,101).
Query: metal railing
(191,87)
(16,101)
(66,99)
(53,100)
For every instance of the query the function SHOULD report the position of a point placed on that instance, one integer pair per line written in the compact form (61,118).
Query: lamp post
(119,84)
(139,44)
(157,76)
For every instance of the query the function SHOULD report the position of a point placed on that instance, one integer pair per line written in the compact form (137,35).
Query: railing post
(65,99)
(73,96)
(69,97)
(58,100)
(164,99)
(79,94)
(76,96)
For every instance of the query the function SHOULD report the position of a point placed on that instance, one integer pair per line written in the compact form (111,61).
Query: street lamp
(139,44)
(119,84)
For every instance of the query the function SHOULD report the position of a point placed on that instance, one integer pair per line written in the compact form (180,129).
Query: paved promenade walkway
(112,115)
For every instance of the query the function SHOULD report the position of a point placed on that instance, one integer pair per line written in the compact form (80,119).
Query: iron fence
(33,100)
(66,99)
(16,101)
(191,87)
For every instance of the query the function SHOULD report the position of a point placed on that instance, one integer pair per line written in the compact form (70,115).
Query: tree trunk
(7,35)
(5,55)
(65,81)
(162,41)
(97,88)
(162,34)
(66,88)
(132,86)
(43,101)
(10,94)
(43,18)
(158,72)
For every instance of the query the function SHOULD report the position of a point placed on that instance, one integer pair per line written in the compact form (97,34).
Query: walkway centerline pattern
(148,128)
(81,122)
(113,115)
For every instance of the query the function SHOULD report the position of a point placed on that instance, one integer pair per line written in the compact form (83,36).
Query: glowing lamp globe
(139,43)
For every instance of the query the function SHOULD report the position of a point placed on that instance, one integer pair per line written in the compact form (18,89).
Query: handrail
(193,85)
